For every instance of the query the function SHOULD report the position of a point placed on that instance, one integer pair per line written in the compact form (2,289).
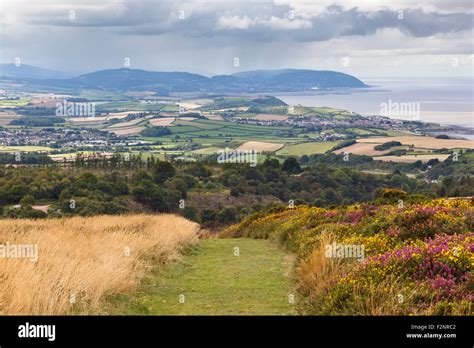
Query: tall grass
(81,260)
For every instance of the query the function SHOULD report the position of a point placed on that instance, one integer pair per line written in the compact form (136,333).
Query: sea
(446,101)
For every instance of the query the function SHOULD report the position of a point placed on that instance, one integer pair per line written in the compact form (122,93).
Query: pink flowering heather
(443,264)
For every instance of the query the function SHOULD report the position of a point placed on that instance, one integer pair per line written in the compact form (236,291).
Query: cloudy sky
(367,38)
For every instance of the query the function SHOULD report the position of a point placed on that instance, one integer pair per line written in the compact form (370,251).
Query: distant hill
(24,71)
(123,78)
(295,79)
(284,80)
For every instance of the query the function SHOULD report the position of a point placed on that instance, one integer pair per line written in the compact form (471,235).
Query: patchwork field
(7,116)
(7,103)
(126,124)
(270,117)
(24,148)
(162,122)
(190,105)
(206,151)
(87,119)
(423,142)
(213,117)
(411,158)
(362,149)
(72,156)
(260,146)
(306,148)
(126,131)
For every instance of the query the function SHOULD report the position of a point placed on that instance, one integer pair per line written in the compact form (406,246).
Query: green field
(306,148)
(128,106)
(24,148)
(15,102)
(392,133)
(170,108)
(212,280)
(361,131)
(101,95)
(206,151)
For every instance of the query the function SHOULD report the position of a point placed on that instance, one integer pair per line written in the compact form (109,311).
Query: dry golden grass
(384,298)
(85,259)
(318,271)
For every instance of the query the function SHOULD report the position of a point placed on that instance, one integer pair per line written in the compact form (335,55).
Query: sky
(365,38)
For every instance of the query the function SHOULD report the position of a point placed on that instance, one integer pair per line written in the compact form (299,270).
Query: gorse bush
(417,259)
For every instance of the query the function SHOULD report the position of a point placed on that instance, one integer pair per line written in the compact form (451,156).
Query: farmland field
(206,151)
(7,116)
(24,148)
(270,117)
(260,146)
(14,102)
(423,142)
(306,148)
(125,124)
(411,158)
(362,149)
(166,121)
(126,130)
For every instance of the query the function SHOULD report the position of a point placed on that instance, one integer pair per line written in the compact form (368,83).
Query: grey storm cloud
(206,35)
(254,21)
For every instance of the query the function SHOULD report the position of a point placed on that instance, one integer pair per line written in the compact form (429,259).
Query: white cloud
(233,22)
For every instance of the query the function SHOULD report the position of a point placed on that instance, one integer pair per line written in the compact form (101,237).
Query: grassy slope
(216,282)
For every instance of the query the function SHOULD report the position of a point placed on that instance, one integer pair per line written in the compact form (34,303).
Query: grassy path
(212,280)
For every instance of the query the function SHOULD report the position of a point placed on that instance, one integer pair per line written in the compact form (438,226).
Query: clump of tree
(155,132)
(344,144)
(36,111)
(387,145)
(25,210)
(46,121)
